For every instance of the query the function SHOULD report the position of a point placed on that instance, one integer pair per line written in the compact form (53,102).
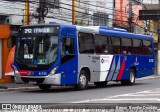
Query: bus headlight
(53,71)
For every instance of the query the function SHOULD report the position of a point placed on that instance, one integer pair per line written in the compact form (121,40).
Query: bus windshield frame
(36,51)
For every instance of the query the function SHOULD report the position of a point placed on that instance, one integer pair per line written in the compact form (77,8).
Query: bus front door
(69,60)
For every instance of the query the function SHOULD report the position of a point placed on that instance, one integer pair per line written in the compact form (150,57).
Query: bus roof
(98,30)
(108,31)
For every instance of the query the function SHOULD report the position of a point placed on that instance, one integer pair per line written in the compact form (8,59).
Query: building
(122,10)
(153,27)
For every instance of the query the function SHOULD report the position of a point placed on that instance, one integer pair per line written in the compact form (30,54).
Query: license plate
(32,82)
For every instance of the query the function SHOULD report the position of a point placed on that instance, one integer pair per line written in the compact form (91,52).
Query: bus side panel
(122,70)
(143,64)
(129,62)
(147,68)
(114,68)
(91,62)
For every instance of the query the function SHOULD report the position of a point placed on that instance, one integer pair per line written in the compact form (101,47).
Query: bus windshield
(37,50)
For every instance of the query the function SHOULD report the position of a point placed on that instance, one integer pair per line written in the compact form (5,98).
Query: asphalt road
(144,91)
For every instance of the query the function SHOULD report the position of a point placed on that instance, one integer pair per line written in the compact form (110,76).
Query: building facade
(122,10)
(152,27)
(87,12)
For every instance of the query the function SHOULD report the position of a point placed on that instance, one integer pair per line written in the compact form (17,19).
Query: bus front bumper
(52,80)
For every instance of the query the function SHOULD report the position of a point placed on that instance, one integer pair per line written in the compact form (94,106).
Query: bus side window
(127,46)
(86,43)
(147,47)
(101,44)
(137,47)
(114,45)
(67,50)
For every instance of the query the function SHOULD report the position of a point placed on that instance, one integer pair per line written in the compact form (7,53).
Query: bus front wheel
(82,81)
(44,87)
(131,80)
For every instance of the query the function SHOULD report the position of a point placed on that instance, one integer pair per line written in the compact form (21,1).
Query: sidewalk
(14,86)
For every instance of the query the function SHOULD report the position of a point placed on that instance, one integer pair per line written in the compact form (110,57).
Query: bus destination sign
(29,30)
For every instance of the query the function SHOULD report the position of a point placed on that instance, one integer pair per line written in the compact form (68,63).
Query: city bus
(59,54)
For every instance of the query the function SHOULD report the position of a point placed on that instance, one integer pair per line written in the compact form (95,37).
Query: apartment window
(100,19)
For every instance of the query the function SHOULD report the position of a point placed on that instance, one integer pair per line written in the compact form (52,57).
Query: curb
(149,77)
(18,88)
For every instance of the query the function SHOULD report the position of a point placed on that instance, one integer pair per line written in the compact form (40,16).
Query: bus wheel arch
(84,77)
(87,70)
(132,77)
(134,68)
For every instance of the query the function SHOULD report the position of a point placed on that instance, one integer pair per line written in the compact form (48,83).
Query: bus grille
(37,80)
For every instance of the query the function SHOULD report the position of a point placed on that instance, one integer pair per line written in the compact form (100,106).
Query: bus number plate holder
(32,82)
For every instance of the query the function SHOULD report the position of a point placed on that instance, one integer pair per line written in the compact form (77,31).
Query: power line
(34,2)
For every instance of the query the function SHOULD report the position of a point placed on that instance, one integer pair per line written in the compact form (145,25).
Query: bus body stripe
(111,71)
(110,68)
(117,69)
(121,70)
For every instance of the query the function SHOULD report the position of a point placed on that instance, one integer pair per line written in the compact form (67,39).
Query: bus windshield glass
(37,50)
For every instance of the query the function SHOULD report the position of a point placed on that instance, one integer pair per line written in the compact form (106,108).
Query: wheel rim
(132,77)
(82,80)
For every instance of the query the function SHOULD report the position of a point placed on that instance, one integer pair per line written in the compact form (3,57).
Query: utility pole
(40,11)
(73,11)
(27,18)
(158,62)
(130,19)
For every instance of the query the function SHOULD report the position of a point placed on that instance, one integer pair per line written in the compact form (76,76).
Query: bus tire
(82,81)
(44,87)
(131,80)
(100,84)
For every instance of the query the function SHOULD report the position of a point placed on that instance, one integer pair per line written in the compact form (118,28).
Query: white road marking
(119,97)
(127,99)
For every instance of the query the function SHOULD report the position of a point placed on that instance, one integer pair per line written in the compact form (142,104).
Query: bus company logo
(95,58)
(6,106)
(104,60)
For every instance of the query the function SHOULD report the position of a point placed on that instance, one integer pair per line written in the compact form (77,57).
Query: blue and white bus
(76,55)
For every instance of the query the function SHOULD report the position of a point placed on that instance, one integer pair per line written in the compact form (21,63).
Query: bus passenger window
(86,43)
(101,44)
(127,46)
(137,46)
(114,45)
(147,47)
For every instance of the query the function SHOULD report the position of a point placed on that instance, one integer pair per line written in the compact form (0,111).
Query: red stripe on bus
(23,72)
(121,70)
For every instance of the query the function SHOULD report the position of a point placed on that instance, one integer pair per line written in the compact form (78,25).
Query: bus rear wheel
(82,81)
(100,84)
(131,80)
(44,87)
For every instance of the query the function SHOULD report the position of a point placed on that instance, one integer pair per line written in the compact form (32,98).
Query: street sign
(149,15)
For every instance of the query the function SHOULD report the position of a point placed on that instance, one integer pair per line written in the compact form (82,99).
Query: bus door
(69,59)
